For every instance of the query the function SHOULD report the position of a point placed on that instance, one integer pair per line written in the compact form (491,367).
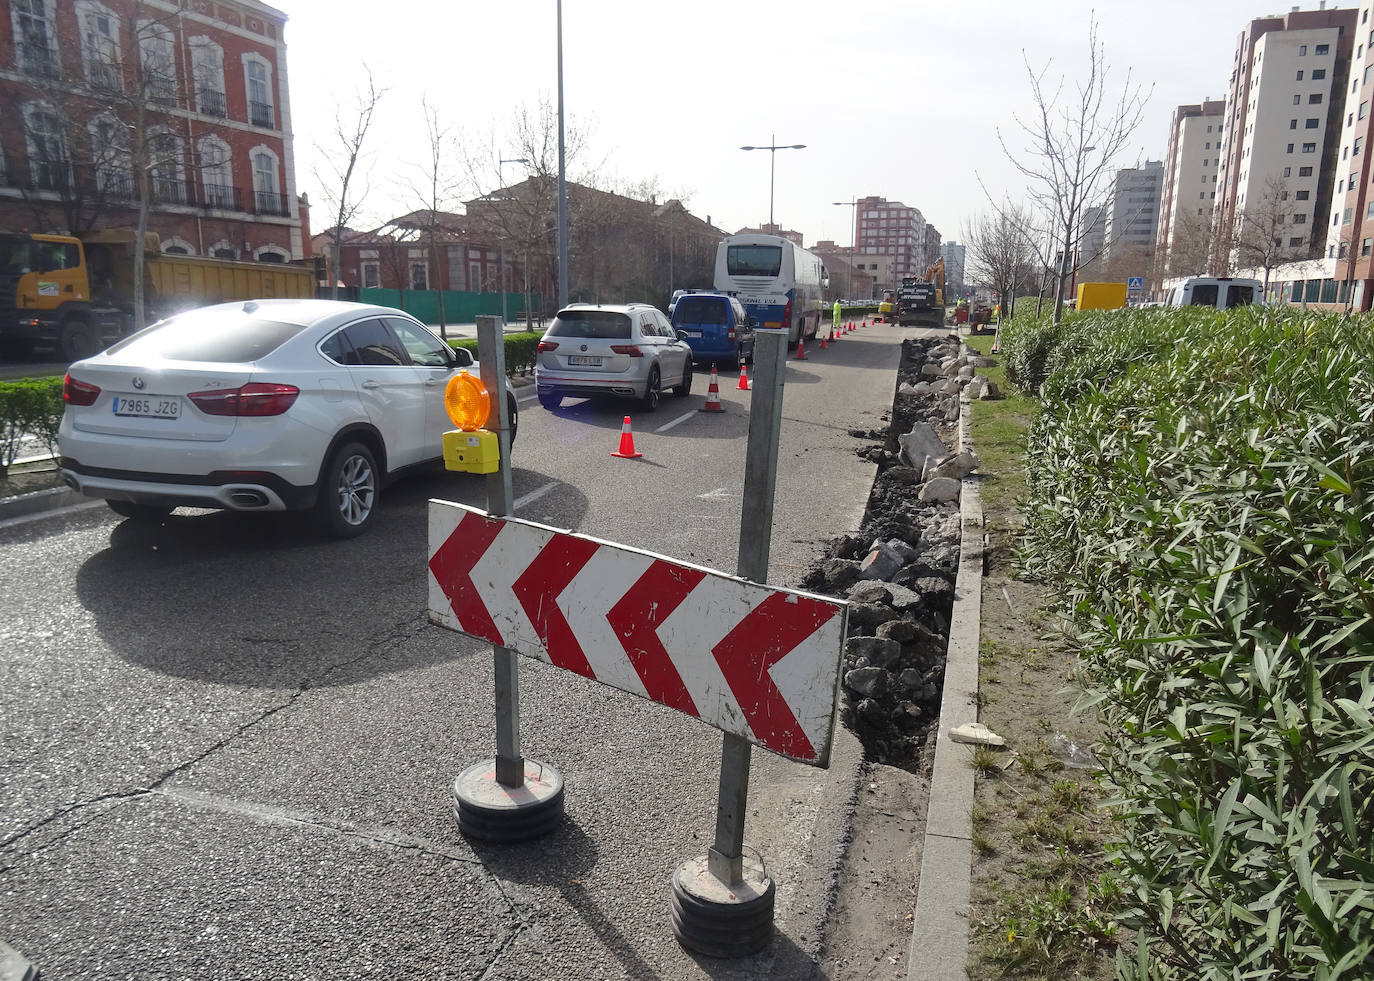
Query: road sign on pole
(1135,284)
(749,659)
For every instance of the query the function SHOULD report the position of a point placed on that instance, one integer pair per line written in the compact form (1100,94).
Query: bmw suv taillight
(78,392)
(253,399)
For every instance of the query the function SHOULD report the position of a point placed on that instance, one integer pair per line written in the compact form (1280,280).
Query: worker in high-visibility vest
(835,319)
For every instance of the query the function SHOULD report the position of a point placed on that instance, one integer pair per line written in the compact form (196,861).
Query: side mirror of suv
(682,335)
(463,358)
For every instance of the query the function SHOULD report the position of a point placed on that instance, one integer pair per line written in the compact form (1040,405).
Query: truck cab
(45,293)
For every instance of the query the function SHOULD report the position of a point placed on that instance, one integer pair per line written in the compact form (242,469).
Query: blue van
(716,326)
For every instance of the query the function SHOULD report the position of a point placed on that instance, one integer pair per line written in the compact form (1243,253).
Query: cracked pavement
(227,747)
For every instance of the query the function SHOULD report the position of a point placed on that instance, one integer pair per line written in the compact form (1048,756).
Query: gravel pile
(898,572)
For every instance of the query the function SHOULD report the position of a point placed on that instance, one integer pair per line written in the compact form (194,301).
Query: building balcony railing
(211,102)
(224,197)
(270,203)
(260,114)
(167,190)
(162,92)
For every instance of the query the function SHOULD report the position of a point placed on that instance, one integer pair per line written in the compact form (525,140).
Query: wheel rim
(357,490)
(651,395)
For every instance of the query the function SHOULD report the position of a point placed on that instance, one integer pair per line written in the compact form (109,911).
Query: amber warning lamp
(469,448)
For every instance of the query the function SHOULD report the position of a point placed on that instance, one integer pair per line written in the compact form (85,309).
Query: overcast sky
(898,98)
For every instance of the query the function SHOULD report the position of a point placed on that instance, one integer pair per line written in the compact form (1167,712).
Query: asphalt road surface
(229,745)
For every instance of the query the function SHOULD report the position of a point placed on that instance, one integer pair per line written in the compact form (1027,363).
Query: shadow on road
(262,601)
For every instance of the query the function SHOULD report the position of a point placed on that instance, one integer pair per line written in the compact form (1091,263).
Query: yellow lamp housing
(467,402)
(472,452)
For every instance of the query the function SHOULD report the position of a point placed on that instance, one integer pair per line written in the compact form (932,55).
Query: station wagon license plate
(584,360)
(148,406)
(691,333)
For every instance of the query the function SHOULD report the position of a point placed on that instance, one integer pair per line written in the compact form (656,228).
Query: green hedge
(520,351)
(1202,504)
(32,407)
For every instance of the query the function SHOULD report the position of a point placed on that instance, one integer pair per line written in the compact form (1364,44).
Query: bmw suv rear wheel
(350,490)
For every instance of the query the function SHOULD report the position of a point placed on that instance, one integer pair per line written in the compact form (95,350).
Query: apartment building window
(100,50)
(1304,171)
(1288,172)
(266,198)
(1201,195)
(1359,143)
(1292,124)
(1365,247)
(1290,148)
(1300,219)
(1302,51)
(475,277)
(419,276)
(207,70)
(35,36)
(1283,195)
(1299,76)
(258,83)
(1323,49)
(1364,109)
(1315,99)
(156,49)
(216,172)
(372,275)
(1301,195)
(111,163)
(1309,148)
(1346,216)
(1297,100)
(49,165)
(167,172)
(1318,74)
(1369,213)
(1368,73)
(1311,124)
(1295,240)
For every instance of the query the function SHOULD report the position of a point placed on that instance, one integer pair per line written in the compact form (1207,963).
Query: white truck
(1220,292)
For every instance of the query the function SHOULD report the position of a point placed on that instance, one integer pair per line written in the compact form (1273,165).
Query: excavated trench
(898,574)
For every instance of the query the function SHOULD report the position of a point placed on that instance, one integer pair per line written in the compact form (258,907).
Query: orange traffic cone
(713,395)
(743,385)
(822,343)
(801,349)
(627,442)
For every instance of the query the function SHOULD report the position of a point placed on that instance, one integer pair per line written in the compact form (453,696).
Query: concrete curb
(939,935)
(36,502)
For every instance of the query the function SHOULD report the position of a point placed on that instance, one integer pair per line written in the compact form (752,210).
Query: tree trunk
(140,234)
(336,256)
(1063,273)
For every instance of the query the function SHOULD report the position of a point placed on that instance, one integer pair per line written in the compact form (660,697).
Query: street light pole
(854,239)
(501,274)
(562,179)
(773,149)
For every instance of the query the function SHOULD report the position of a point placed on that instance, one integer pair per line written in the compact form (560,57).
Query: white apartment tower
(1133,212)
(1283,115)
(1190,187)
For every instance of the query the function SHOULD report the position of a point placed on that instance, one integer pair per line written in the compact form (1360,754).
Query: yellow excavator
(921,299)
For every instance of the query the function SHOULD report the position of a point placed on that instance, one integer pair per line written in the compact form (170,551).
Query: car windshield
(700,310)
(221,337)
(590,323)
(753,260)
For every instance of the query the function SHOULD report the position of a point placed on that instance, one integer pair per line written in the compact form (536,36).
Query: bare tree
(1190,249)
(339,171)
(436,190)
(1076,135)
(1263,231)
(998,253)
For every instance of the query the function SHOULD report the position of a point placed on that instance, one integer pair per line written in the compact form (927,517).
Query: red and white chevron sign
(747,658)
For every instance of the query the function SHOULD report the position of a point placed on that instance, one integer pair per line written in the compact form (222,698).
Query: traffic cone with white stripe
(801,348)
(743,385)
(627,449)
(713,394)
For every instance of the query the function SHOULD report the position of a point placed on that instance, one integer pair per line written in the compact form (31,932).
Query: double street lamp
(773,149)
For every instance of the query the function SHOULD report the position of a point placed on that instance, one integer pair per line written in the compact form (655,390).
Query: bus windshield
(753,260)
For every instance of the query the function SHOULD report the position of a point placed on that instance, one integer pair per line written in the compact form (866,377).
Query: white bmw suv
(267,405)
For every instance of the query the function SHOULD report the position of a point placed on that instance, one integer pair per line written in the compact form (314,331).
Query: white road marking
(23,519)
(532,496)
(680,419)
(714,495)
(527,398)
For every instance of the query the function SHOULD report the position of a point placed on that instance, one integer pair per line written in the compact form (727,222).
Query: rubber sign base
(490,811)
(720,920)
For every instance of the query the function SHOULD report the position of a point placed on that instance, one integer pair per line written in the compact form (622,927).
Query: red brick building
(192,93)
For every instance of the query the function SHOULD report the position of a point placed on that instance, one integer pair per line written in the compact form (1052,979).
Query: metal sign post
(509,798)
(716,911)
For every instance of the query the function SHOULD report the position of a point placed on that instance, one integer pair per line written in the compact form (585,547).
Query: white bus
(779,282)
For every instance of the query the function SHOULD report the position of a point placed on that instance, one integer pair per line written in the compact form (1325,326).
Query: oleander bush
(520,351)
(28,407)
(1202,502)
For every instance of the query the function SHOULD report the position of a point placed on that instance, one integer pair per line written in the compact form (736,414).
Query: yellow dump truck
(1101,296)
(77,294)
